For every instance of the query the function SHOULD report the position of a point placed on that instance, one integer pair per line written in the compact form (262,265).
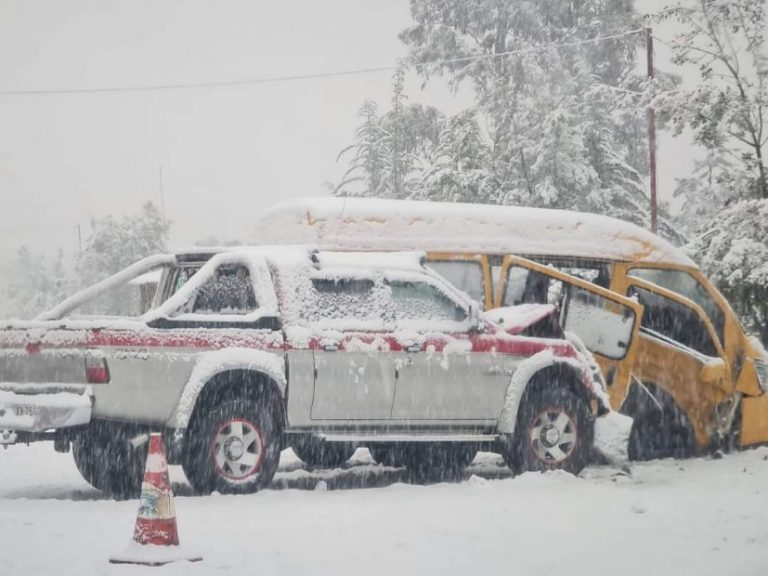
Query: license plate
(26,410)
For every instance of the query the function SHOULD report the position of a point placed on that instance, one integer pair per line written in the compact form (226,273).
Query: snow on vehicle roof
(281,255)
(376,224)
(373,260)
(152,277)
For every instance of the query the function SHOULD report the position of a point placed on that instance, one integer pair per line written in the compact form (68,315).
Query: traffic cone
(156,536)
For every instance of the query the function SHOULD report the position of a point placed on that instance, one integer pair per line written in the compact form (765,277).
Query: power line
(310,76)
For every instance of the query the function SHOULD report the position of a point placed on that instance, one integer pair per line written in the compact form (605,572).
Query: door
(681,353)
(354,371)
(606,322)
(440,376)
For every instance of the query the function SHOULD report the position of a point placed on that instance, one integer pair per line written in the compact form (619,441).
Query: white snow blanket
(703,517)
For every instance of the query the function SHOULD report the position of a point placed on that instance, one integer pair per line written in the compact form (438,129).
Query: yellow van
(694,380)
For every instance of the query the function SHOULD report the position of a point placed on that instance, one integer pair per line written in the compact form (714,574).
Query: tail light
(96,370)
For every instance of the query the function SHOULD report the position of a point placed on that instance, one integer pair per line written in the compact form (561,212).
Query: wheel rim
(553,436)
(237,450)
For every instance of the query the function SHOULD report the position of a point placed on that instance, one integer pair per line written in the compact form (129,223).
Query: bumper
(754,420)
(34,411)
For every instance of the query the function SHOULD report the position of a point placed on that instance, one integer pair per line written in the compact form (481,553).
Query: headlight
(762,375)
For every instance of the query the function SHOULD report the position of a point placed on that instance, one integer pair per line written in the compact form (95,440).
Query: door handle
(331,347)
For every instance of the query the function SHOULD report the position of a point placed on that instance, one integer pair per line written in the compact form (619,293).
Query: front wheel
(665,434)
(554,431)
(234,447)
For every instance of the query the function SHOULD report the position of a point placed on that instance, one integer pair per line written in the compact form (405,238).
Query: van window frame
(687,302)
(719,327)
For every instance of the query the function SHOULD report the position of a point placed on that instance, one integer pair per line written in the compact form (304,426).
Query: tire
(233,447)
(554,431)
(318,453)
(438,461)
(108,462)
(392,455)
(665,434)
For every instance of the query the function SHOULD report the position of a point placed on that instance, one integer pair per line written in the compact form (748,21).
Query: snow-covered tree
(548,98)
(116,243)
(390,150)
(34,284)
(727,198)
(557,119)
(369,150)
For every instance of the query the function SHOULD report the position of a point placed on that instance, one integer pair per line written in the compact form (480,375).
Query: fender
(212,363)
(525,372)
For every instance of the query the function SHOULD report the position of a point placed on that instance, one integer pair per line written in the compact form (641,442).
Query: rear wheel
(234,447)
(318,453)
(439,460)
(554,431)
(108,461)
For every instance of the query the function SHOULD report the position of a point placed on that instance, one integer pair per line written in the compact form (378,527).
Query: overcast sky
(225,152)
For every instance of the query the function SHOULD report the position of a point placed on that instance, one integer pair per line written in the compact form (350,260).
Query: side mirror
(474,317)
(713,371)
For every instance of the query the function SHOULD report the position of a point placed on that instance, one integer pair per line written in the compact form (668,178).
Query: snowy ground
(698,517)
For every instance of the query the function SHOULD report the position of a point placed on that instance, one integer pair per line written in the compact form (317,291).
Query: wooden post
(651,128)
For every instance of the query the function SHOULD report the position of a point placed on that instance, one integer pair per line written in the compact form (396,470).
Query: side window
(340,299)
(229,291)
(466,275)
(526,286)
(422,301)
(675,321)
(686,285)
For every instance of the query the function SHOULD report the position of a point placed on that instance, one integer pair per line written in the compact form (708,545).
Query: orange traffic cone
(155,537)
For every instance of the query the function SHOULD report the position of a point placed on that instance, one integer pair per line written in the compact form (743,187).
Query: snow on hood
(515,319)
(376,224)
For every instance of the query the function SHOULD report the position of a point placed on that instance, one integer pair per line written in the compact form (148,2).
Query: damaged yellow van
(694,380)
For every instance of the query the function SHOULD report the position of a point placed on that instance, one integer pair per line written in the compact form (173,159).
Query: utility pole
(651,125)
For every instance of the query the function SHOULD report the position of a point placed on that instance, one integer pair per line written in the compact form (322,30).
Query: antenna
(162,210)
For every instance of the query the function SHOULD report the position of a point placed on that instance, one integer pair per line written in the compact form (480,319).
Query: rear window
(229,292)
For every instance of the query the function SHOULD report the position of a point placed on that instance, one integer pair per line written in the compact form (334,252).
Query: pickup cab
(244,351)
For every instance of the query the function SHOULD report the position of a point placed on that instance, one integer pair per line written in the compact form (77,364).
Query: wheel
(554,431)
(234,447)
(388,454)
(107,460)
(443,461)
(318,453)
(665,434)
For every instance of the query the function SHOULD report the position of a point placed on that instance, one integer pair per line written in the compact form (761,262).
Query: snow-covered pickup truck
(245,351)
